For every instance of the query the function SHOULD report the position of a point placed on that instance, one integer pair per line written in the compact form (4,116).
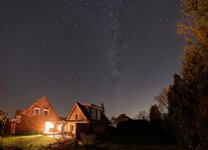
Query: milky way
(114,51)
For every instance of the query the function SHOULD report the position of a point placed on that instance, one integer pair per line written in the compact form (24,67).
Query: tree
(113,120)
(3,122)
(142,115)
(154,113)
(188,95)
(162,99)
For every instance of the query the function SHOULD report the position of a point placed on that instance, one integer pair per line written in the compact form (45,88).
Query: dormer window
(36,111)
(45,112)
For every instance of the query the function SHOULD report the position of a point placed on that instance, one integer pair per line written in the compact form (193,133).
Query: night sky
(120,52)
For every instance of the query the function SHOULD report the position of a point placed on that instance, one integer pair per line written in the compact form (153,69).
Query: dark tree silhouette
(113,120)
(188,96)
(154,113)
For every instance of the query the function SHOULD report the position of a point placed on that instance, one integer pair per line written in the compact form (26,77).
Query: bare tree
(142,115)
(162,99)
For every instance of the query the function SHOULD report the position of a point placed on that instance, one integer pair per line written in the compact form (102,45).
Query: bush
(88,139)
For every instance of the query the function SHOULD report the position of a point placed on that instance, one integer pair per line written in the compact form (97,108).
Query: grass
(26,142)
(110,142)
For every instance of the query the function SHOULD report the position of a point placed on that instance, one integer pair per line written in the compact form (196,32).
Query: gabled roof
(18,112)
(122,117)
(62,118)
(42,99)
(84,111)
(83,108)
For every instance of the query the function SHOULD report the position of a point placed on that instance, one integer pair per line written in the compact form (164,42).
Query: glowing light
(59,127)
(49,126)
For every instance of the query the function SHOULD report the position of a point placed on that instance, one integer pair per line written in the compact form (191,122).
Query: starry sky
(120,52)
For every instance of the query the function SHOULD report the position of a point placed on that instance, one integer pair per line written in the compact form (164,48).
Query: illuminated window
(45,112)
(36,111)
(49,126)
(76,116)
(59,127)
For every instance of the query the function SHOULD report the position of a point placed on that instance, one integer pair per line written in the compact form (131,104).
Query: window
(76,116)
(49,126)
(36,111)
(60,127)
(93,113)
(45,112)
(98,114)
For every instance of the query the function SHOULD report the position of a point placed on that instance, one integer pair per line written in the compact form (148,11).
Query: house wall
(32,123)
(70,127)
(12,128)
(77,128)
(75,111)
(94,121)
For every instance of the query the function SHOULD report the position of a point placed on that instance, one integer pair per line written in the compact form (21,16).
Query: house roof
(62,118)
(18,112)
(83,108)
(122,117)
(44,99)
(90,105)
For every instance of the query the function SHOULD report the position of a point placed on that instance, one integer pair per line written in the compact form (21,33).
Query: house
(121,117)
(39,117)
(86,118)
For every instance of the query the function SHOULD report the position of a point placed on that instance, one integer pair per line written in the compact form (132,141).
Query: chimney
(102,105)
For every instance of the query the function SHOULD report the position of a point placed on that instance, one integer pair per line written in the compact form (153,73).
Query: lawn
(26,142)
(110,142)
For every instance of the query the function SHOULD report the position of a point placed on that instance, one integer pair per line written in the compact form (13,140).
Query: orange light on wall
(48,126)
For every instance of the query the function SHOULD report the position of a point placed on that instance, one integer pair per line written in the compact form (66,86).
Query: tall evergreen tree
(154,113)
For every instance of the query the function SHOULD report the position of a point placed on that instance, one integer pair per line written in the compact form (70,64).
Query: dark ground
(134,142)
